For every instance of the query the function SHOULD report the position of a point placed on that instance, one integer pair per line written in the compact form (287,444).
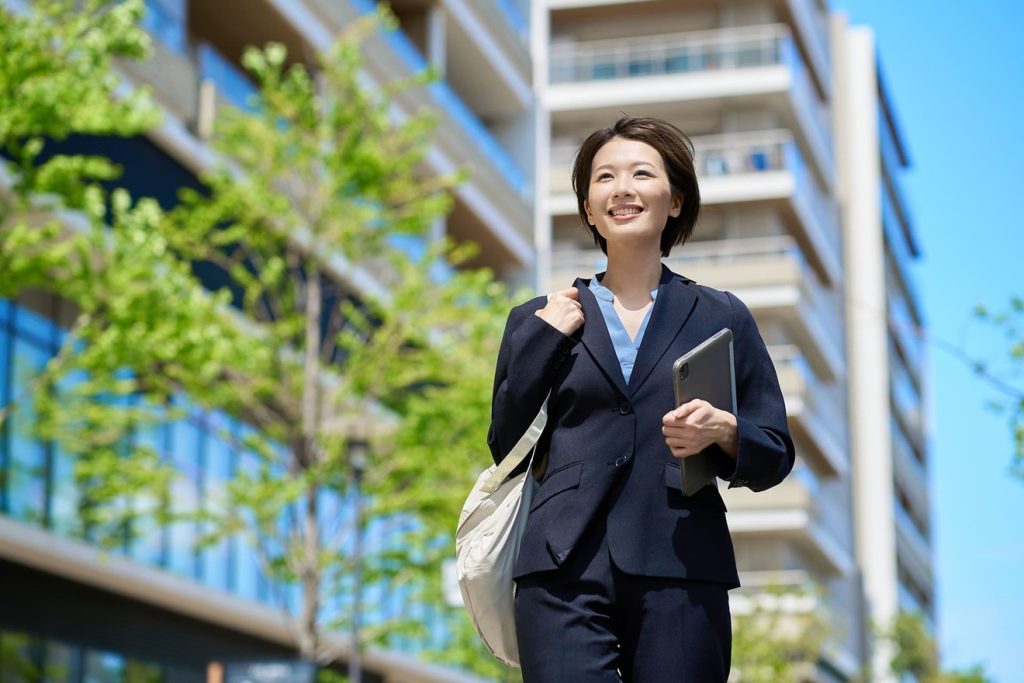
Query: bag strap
(521,449)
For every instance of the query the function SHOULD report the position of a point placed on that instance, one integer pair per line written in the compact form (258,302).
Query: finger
(689,408)
(572,293)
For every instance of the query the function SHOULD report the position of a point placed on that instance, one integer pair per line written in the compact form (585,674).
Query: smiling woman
(620,577)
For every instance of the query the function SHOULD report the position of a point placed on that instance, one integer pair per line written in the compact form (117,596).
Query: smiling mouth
(625,211)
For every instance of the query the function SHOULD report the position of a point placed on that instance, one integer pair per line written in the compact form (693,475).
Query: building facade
(154,608)
(765,90)
(885,341)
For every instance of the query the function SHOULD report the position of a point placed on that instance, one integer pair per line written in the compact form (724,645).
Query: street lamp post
(357,453)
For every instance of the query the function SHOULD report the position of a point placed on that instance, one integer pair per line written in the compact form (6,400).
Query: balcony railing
(692,52)
(765,151)
(822,401)
(918,538)
(503,163)
(733,153)
(892,166)
(231,81)
(743,153)
(673,53)
(516,19)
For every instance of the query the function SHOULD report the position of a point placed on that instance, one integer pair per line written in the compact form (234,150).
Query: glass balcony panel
(897,243)
(911,526)
(26,462)
(891,167)
(516,14)
(821,208)
(456,108)
(165,21)
(667,54)
(229,79)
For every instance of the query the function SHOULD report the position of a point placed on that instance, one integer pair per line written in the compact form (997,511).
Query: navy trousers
(589,622)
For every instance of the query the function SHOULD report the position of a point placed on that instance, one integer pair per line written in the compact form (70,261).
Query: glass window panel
(5,372)
(142,672)
(31,324)
(20,657)
(103,667)
(148,544)
(248,575)
(5,341)
(165,20)
(65,491)
(61,663)
(216,474)
(64,501)
(27,455)
(186,441)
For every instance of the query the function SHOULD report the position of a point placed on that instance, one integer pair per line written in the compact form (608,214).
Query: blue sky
(956,73)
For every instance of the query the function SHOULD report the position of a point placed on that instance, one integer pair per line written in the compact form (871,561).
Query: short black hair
(676,152)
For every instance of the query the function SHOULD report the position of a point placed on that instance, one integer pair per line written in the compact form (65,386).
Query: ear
(677,205)
(590,214)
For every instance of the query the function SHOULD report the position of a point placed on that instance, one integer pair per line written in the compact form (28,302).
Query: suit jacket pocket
(562,479)
(707,495)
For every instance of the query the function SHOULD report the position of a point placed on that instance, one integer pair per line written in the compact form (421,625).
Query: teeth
(631,211)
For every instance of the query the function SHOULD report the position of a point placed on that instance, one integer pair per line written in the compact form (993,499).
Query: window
(26,465)
(186,445)
(103,667)
(149,538)
(218,459)
(165,21)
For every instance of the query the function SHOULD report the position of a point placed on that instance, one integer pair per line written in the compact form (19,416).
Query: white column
(859,177)
(437,38)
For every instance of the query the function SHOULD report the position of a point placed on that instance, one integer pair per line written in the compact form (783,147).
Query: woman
(620,577)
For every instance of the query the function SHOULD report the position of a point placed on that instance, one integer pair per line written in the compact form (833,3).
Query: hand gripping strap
(521,449)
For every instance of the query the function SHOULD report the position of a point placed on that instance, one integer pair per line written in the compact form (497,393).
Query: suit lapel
(672,309)
(595,337)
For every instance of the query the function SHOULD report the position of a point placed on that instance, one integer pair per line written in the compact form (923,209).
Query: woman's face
(629,198)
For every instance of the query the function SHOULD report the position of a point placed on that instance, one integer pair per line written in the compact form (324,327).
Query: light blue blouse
(625,348)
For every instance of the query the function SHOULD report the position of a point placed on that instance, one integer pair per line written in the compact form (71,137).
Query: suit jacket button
(625,409)
(620,461)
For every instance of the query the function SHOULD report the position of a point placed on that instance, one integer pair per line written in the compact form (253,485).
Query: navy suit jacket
(606,454)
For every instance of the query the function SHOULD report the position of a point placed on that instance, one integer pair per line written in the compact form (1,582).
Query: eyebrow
(634,165)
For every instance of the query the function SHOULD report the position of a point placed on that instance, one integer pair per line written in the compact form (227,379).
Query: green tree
(55,81)
(779,638)
(327,338)
(916,654)
(1010,324)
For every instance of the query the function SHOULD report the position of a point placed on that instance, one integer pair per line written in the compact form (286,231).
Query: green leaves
(326,337)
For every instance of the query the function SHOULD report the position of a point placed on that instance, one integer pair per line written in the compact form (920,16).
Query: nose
(623,186)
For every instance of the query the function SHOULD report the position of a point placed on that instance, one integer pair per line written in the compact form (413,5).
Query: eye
(646,174)
(603,175)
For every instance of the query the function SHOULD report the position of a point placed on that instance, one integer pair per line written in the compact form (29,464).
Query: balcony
(909,473)
(477,47)
(795,511)
(810,22)
(893,163)
(913,550)
(714,67)
(763,167)
(190,84)
(769,274)
(815,411)
(452,106)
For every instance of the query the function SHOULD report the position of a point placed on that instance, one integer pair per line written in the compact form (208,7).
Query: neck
(633,275)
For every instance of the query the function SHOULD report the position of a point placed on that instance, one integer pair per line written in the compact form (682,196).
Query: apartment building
(762,87)
(156,609)
(885,342)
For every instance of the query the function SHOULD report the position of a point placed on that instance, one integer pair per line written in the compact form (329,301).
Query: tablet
(707,372)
